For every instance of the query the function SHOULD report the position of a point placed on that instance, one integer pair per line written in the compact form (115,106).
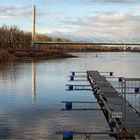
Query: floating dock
(120,115)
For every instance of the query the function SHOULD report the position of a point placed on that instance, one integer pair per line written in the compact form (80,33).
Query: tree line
(13,37)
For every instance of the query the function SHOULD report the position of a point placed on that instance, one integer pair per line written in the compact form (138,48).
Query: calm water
(32,110)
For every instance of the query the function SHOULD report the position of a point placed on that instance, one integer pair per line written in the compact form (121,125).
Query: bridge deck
(114,102)
(87,43)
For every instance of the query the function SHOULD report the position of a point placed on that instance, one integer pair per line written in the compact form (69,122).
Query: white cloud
(92,1)
(8,12)
(14,11)
(102,26)
(45,31)
(107,26)
(113,1)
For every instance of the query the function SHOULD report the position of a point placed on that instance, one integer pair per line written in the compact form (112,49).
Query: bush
(4,55)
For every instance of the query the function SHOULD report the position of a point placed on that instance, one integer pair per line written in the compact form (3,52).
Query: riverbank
(20,43)
(26,54)
(44,54)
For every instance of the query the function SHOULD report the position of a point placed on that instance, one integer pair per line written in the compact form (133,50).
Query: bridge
(73,43)
(87,43)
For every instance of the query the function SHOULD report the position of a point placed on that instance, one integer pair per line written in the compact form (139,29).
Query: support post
(33,27)
(33,22)
(124,100)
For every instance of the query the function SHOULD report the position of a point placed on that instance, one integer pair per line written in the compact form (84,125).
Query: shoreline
(8,55)
(28,54)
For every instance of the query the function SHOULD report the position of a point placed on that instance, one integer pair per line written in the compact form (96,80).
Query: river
(31,95)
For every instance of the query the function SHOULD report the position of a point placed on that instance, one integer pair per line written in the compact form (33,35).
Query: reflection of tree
(9,71)
(14,70)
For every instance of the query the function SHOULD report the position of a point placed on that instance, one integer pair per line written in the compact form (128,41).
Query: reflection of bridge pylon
(33,81)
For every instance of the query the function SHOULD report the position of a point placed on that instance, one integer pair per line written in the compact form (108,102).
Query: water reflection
(33,81)
(22,116)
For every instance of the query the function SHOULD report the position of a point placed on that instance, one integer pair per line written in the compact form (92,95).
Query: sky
(84,20)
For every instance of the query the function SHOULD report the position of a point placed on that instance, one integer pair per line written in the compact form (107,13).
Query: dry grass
(4,55)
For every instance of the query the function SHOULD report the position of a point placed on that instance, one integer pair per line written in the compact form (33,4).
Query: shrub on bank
(4,55)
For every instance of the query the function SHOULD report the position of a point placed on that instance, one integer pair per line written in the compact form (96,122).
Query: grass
(18,54)
(4,55)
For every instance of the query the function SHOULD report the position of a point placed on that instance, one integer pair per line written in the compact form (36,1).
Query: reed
(4,55)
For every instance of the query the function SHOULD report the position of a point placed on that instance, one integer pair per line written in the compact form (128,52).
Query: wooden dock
(120,116)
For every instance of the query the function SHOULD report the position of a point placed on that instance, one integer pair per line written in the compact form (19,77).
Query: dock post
(67,136)
(72,78)
(69,105)
(124,100)
(111,73)
(136,90)
(73,73)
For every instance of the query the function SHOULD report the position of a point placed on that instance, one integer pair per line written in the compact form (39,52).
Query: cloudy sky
(87,20)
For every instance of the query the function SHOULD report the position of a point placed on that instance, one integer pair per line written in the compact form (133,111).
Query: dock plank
(130,120)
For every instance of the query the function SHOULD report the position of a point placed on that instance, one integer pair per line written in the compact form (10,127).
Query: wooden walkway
(119,114)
